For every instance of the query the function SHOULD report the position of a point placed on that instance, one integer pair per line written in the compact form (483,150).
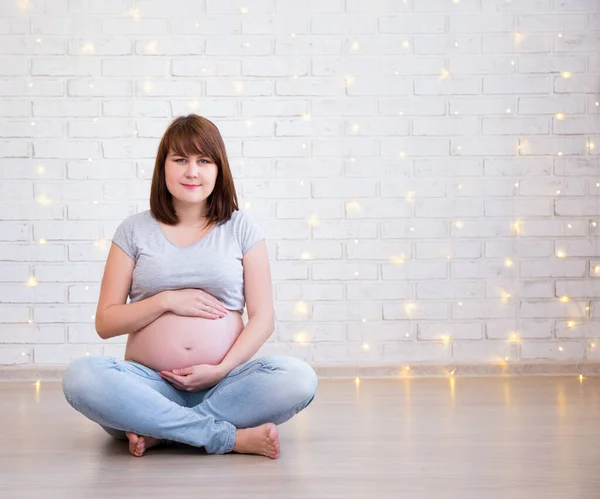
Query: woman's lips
(190,186)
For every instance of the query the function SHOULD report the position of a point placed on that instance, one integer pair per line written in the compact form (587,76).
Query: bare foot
(139,444)
(262,440)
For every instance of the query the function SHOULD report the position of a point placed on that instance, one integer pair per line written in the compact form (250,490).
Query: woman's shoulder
(136,221)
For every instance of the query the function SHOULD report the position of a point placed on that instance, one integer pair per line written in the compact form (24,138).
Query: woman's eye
(181,159)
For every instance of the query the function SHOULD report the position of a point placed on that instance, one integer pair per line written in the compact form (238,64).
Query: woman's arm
(115,320)
(259,305)
(114,316)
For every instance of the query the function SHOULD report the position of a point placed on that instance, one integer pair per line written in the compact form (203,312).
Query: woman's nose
(192,170)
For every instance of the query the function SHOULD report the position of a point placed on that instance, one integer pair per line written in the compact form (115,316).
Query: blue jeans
(123,395)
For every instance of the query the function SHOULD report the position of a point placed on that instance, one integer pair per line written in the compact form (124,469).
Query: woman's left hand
(194,378)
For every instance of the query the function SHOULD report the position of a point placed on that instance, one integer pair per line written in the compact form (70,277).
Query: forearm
(253,336)
(124,319)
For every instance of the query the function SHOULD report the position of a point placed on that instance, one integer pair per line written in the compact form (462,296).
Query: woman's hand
(194,303)
(194,378)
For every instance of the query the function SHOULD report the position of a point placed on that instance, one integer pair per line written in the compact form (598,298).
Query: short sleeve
(249,232)
(123,237)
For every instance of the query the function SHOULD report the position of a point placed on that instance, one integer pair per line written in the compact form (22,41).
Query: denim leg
(126,396)
(265,390)
(153,380)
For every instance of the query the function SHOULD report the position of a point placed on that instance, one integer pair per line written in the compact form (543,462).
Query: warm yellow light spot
(313,221)
(405,44)
(305,256)
(306,117)
(32,282)
(42,241)
(355,45)
(88,48)
(300,308)
(366,346)
(43,199)
(459,225)
(560,349)
(445,73)
(410,196)
(559,116)
(564,299)
(147,86)
(566,74)
(508,262)
(301,338)
(402,155)
(353,206)
(102,243)
(357,380)
(561,254)
(349,80)
(244,10)
(597,268)
(514,337)
(446,339)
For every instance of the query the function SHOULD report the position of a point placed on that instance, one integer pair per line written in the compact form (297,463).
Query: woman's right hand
(192,302)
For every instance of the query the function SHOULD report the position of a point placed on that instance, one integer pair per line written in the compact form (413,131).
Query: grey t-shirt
(212,264)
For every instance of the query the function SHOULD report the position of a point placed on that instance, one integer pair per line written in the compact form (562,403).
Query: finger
(175,383)
(182,372)
(216,304)
(215,308)
(208,314)
(171,377)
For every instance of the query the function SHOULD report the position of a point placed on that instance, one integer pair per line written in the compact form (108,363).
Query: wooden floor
(480,438)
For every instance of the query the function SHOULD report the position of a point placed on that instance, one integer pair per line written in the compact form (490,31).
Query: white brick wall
(426,171)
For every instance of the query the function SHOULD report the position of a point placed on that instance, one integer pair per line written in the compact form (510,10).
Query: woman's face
(197,172)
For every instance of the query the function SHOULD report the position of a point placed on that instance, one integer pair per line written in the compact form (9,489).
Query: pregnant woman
(188,266)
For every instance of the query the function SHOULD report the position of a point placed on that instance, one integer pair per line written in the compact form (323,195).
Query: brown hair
(193,134)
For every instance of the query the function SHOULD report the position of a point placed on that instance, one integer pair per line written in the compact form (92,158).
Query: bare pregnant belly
(175,341)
